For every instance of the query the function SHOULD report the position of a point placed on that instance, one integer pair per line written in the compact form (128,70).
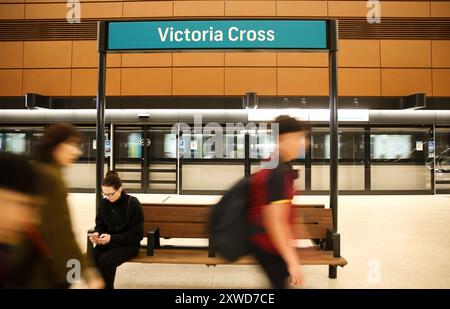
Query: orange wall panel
(405,9)
(147,9)
(359,82)
(302,81)
(198,8)
(440,54)
(85,55)
(251,59)
(198,81)
(196,59)
(441,82)
(146,60)
(405,53)
(347,8)
(12,11)
(440,9)
(84,82)
(113,81)
(149,81)
(11,54)
(239,81)
(400,82)
(47,54)
(10,82)
(359,53)
(302,8)
(299,59)
(47,11)
(101,10)
(250,8)
(50,82)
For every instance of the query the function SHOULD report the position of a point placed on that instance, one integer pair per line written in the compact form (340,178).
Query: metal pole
(334,139)
(101,102)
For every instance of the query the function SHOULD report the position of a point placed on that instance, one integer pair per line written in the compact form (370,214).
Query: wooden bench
(312,222)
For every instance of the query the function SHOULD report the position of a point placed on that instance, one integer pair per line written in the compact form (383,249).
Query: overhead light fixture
(303,101)
(355,102)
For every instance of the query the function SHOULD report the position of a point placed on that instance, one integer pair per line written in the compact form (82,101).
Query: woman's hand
(94,238)
(104,239)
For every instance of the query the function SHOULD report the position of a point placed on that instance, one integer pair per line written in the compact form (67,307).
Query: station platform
(390,241)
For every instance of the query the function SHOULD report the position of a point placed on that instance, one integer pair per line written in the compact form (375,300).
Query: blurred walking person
(59,147)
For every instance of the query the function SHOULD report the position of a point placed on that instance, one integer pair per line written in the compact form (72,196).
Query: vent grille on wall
(349,28)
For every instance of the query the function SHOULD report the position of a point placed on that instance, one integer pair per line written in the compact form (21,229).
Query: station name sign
(218,34)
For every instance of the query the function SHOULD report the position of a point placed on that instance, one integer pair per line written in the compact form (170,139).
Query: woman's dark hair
(112,179)
(17,174)
(53,136)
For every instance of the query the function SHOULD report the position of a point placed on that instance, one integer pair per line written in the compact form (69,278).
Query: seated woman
(119,227)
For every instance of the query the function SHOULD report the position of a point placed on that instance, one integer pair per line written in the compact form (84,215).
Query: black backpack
(228,227)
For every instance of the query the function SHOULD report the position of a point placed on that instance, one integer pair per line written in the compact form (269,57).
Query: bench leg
(152,241)
(211,249)
(332,271)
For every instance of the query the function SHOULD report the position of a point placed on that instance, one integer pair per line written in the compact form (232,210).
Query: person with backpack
(255,216)
(119,228)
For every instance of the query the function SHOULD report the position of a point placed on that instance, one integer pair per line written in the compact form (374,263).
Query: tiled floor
(389,242)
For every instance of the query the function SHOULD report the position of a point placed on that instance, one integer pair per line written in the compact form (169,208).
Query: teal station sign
(218,34)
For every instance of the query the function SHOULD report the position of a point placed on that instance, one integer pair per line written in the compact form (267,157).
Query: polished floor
(389,242)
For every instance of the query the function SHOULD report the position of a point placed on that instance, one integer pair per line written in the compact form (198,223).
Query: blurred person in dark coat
(20,242)
(59,147)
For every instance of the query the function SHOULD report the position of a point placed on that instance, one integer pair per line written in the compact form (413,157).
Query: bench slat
(308,256)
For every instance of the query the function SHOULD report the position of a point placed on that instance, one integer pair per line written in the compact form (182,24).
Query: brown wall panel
(359,53)
(440,9)
(250,8)
(405,53)
(47,54)
(400,82)
(147,9)
(302,8)
(11,54)
(10,82)
(251,59)
(46,11)
(12,11)
(359,82)
(50,82)
(238,81)
(440,54)
(198,59)
(199,8)
(154,81)
(146,60)
(198,81)
(84,82)
(302,59)
(441,82)
(302,81)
